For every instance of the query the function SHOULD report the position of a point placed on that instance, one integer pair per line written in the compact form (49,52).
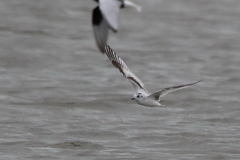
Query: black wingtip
(199,81)
(196,82)
(102,50)
(96,16)
(114,30)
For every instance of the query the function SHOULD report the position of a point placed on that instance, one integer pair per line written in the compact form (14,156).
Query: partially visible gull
(143,97)
(105,17)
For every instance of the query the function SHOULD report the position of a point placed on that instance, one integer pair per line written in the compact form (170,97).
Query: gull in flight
(105,16)
(142,96)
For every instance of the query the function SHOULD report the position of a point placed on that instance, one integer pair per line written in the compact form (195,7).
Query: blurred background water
(62,99)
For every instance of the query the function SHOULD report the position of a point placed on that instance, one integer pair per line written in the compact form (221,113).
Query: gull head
(137,96)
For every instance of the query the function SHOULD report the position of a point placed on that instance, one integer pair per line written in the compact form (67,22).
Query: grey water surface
(61,99)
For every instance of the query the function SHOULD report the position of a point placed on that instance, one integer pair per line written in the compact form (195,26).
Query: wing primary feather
(160,93)
(110,10)
(119,63)
(100,29)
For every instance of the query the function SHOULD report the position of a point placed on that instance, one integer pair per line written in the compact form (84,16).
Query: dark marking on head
(96,16)
(139,95)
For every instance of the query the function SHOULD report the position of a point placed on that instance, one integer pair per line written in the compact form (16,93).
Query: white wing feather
(110,10)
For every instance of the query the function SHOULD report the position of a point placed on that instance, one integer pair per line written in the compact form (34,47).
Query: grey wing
(160,93)
(118,63)
(110,10)
(100,29)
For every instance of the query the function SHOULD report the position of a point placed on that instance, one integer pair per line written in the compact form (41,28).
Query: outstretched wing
(110,10)
(160,93)
(118,63)
(100,29)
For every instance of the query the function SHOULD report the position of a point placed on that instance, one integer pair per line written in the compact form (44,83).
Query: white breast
(148,102)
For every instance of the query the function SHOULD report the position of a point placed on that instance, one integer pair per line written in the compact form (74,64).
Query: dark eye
(139,95)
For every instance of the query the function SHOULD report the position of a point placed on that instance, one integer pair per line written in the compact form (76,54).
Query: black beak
(132,98)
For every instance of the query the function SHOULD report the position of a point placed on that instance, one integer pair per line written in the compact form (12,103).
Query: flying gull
(143,97)
(105,17)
